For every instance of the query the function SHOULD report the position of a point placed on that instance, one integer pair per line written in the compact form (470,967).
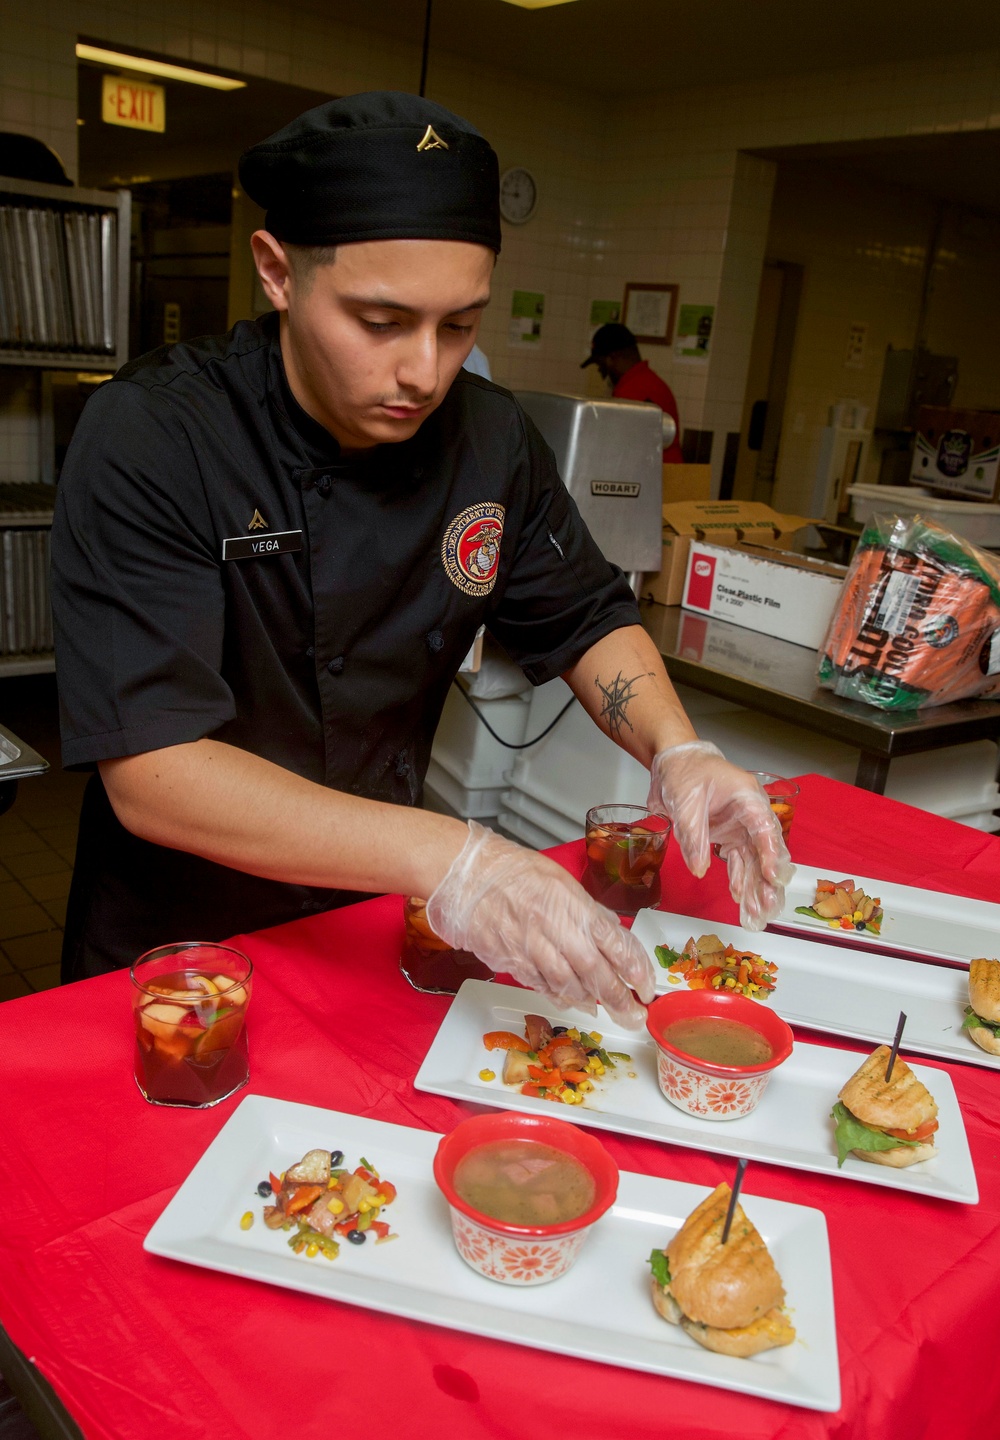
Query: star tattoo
(618,696)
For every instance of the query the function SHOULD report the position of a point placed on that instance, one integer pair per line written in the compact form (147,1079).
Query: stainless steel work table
(779,678)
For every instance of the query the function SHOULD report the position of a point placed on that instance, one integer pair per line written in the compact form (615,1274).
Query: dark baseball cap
(606,341)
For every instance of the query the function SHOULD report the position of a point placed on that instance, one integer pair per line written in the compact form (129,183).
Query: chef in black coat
(272,550)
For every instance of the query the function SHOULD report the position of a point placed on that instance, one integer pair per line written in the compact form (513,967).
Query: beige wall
(685,206)
(648,189)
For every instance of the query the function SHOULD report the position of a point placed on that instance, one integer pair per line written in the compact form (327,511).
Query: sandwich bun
(984,997)
(984,1038)
(900,1157)
(727,1297)
(767,1333)
(902,1103)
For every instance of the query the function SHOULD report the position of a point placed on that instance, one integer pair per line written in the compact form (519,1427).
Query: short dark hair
(305,260)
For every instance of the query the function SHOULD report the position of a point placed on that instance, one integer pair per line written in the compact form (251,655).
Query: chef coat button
(310,651)
(336,665)
(435,641)
(324,485)
(402,766)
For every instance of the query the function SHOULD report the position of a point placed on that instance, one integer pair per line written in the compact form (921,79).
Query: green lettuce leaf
(852,1134)
(666,956)
(660,1267)
(973,1021)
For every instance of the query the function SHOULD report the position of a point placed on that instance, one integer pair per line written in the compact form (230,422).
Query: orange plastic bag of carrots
(918,622)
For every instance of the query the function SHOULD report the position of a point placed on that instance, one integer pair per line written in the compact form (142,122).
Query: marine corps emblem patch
(470,550)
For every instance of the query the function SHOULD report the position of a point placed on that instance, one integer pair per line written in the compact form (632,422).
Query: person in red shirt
(615,353)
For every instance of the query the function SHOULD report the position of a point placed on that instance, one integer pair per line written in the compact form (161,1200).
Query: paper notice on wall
(648,312)
(694,332)
(526,311)
(857,335)
(604,312)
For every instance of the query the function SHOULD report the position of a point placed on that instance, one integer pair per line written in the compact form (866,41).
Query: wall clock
(518,195)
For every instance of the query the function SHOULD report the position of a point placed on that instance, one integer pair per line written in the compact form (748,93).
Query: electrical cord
(526,744)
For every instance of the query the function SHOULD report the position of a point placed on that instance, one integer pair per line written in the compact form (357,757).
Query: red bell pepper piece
(387,1192)
(545,1077)
(536,1091)
(275,1182)
(380,1227)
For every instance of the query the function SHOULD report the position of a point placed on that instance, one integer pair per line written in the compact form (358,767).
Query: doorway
(770,364)
(191,270)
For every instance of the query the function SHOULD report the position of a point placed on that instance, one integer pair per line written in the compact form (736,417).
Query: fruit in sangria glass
(428,962)
(625,849)
(189,1005)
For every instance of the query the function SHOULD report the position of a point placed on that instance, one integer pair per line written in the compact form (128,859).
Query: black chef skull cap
(382,165)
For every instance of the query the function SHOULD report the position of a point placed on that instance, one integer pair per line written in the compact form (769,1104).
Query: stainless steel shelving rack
(48,359)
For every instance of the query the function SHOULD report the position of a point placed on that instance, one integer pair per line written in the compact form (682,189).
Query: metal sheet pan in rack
(791,1126)
(842,992)
(420,1276)
(916,922)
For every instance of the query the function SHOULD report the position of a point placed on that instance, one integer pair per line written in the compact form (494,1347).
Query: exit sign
(133,103)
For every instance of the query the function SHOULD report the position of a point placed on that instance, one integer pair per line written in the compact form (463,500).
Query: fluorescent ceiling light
(160,68)
(538,4)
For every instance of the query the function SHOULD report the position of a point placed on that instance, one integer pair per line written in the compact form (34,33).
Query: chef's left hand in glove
(710,802)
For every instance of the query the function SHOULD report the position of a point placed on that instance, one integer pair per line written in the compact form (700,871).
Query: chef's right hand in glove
(522,913)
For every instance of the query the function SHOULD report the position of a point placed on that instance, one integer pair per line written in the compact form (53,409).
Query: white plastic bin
(976,522)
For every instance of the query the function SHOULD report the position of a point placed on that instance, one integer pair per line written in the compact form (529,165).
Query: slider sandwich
(982,1017)
(727,1297)
(887,1122)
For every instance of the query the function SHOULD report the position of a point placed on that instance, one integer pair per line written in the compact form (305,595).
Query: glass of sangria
(782,796)
(625,849)
(430,964)
(189,1004)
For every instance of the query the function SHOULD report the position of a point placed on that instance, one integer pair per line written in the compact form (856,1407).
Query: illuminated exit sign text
(133,103)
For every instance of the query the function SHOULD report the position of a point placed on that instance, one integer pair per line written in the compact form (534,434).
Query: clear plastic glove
(521,913)
(711,801)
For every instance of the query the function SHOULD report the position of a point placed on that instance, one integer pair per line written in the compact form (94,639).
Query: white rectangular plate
(420,1275)
(841,992)
(919,922)
(791,1125)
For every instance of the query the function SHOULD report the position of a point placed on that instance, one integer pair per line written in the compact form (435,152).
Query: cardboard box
(957,452)
(686,482)
(792,597)
(727,522)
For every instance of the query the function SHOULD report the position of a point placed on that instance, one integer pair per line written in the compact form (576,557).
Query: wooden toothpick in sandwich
(895,1047)
(741,1170)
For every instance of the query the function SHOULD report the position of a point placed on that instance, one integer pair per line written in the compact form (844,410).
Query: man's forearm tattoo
(617,697)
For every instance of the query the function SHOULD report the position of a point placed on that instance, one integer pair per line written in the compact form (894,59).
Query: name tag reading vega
(258,547)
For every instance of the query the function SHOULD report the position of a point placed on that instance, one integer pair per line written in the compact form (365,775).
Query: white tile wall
(647,189)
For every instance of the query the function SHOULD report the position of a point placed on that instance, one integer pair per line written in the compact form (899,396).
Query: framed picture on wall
(649,311)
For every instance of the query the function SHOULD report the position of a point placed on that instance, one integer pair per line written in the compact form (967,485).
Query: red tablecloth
(142,1347)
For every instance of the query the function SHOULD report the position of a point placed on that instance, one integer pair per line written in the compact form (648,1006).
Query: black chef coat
(329,648)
